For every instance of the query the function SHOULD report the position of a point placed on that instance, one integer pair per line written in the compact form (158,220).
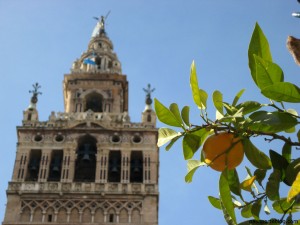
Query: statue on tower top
(148,92)
(35,93)
(100,26)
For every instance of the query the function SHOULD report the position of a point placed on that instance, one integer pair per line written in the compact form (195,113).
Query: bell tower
(89,164)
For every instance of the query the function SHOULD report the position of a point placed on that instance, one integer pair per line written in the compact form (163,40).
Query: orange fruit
(223,150)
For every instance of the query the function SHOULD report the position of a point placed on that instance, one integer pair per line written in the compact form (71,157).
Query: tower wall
(89,164)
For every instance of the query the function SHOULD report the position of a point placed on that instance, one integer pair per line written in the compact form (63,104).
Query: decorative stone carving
(66,187)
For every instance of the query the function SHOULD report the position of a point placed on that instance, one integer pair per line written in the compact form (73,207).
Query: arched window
(94,102)
(136,167)
(55,165)
(114,166)
(34,165)
(85,165)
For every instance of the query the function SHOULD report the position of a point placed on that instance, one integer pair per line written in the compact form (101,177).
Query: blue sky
(156,42)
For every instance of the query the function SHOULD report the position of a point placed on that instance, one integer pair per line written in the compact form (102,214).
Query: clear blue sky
(156,42)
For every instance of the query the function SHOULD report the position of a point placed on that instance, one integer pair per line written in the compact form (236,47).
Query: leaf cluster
(247,120)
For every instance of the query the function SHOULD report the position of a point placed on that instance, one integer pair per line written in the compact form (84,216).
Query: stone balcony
(62,119)
(84,188)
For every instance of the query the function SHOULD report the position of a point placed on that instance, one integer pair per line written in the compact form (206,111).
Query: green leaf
(165,115)
(267,73)
(259,46)
(195,87)
(165,135)
(175,110)
(192,141)
(298,135)
(260,175)
(256,157)
(203,96)
(172,142)
(246,211)
(270,122)
(279,163)
(295,189)
(282,92)
(192,166)
(190,145)
(292,171)
(249,106)
(255,209)
(215,202)
(272,188)
(218,101)
(237,97)
(225,196)
(280,206)
(234,182)
(286,152)
(185,114)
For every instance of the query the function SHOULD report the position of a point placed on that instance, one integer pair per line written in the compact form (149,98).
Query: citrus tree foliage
(246,120)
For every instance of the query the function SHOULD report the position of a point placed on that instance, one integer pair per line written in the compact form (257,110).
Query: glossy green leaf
(259,46)
(256,157)
(185,114)
(165,135)
(225,196)
(260,175)
(218,101)
(282,92)
(249,107)
(215,202)
(175,110)
(286,152)
(255,209)
(246,211)
(234,182)
(195,87)
(192,166)
(165,115)
(267,73)
(295,189)
(292,171)
(298,135)
(237,97)
(270,122)
(272,187)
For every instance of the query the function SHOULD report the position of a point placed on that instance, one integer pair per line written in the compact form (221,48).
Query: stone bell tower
(89,164)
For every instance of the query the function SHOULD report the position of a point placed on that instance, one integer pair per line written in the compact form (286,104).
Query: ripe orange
(223,150)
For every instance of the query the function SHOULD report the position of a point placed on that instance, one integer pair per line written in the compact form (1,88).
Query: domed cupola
(99,57)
